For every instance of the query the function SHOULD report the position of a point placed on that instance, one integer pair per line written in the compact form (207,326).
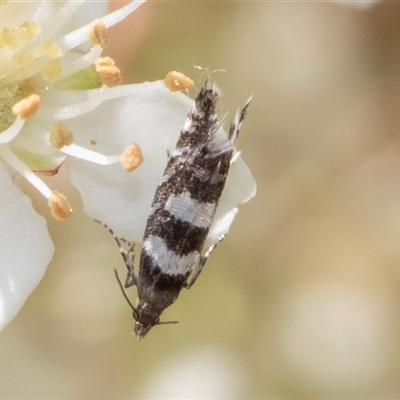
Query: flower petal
(151,116)
(26,248)
(240,188)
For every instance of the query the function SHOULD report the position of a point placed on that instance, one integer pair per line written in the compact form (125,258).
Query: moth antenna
(168,322)
(135,313)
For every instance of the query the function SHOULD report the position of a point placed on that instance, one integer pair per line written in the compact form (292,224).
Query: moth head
(145,315)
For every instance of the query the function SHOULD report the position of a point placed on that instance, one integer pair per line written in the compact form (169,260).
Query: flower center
(37,63)
(10,95)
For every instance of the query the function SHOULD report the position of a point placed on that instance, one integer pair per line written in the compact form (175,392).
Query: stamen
(23,58)
(58,18)
(61,136)
(30,29)
(89,155)
(51,69)
(59,206)
(11,132)
(77,37)
(20,74)
(51,49)
(12,36)
(175,81)
(15,36)
(110,75)
(132,157)
(27,106)
(25,171)
(80,63)
(97,33)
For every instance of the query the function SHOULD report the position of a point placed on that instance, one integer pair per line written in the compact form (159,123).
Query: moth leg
(128,256)
(202,262)
(131,278)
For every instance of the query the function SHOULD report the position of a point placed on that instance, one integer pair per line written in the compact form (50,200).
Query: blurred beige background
(302,300)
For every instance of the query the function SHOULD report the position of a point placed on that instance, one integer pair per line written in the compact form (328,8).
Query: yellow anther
(61,136)
(52,49)
(27,106)
(51,69)
(30,29)
(97,33)
(175,81)
(23,58)
(110,75)
(16,36)
(59,206)
(132,157)
(13,37)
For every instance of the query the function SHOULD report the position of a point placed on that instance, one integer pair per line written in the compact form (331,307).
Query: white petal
(152,118)
(26,248)
(240,188)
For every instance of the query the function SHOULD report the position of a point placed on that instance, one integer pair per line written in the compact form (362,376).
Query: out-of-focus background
(302,300)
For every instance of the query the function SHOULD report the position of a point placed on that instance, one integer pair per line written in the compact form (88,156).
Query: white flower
(40,57)
(57,98)
(152,116)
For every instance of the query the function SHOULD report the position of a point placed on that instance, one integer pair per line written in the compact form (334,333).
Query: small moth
(182,212)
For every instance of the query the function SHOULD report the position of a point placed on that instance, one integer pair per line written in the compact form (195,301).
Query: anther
(30,29)
(110,74)
(59,206)
(175,81)
(61,136)
(97,33)
(23,58)
(12,36)
(27,106)
(51,69)
(132,157)
(51,49)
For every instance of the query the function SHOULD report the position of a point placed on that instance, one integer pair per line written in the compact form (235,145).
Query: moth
(182,212)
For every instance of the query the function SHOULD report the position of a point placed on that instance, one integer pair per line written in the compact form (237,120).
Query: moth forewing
(183,210)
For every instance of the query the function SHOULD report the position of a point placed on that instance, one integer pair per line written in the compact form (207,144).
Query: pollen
(59,206)
(97,33)
(27,106)
(23,58)
(51,69)
(61,136)
(30,29)
(132,157)
(51,49)
(110,74)
(175,81)
(13,37)
(16,36)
